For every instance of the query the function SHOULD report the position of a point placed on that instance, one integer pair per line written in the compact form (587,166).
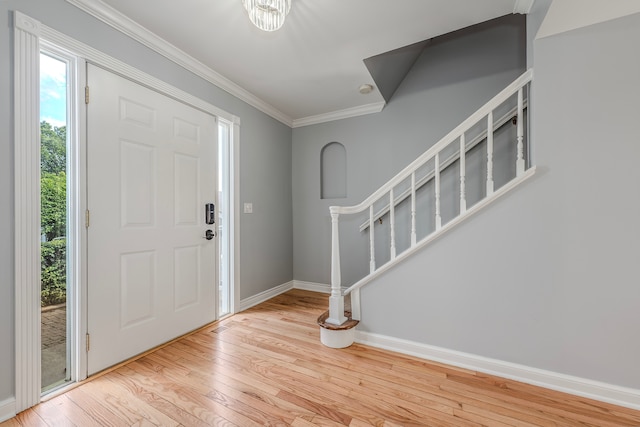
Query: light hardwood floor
(266,366)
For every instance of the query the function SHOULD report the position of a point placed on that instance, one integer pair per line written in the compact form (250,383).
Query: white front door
(151,168)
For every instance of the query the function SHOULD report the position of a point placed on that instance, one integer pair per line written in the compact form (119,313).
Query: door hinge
(87,218)
(88,342)
(86,94)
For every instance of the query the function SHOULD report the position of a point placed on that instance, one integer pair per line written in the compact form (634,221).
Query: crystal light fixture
(268,15)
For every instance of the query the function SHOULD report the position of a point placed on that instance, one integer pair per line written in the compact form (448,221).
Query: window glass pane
(53,226)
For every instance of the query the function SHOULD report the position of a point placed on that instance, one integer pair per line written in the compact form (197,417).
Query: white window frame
(75,185)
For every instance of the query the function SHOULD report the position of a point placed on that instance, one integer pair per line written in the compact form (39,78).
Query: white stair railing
(388,190)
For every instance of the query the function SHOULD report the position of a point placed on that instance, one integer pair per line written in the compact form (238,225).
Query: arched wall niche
(333,171)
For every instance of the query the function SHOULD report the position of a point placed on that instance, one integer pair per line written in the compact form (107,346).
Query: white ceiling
(309,70)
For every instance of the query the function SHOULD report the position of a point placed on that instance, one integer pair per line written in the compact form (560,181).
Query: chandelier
(268,15)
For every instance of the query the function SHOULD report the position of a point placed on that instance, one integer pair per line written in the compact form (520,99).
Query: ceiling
(310,70)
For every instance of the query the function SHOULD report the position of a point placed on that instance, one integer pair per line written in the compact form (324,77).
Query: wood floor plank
(158,403)
(567,410)
(301,422)
(62,406)
(291,382)
(239,395)
(94,408)
(394,392)
(55,414)
(187,397)
(30,418)
(266,366)
(128,405)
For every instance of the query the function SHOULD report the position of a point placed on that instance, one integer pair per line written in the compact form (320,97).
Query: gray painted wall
(449,81)
(534,21)
(546,277)
(265,161)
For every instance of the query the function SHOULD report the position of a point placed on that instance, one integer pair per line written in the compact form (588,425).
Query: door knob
(209,234)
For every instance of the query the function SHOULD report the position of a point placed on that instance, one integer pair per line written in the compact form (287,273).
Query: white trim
(445,228)
(523,6)
(312,286)
(444,142)
(81,310)
(99,58)
(265,295)
(27,24)
(226,209)
(338,115)
(76,239)
(7,409)
(26,96)
(125,25)
(591,389)
(445,164)
(28,33)
(274,292)
(114,65)
(356,306)
(234,200)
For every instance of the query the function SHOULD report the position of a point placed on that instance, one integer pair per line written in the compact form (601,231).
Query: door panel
(151,170)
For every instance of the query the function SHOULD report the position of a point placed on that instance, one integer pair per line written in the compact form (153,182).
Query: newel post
(336,300)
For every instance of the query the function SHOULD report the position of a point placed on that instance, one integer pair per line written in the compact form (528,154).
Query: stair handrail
(509,115)
(336,300)
(491,105)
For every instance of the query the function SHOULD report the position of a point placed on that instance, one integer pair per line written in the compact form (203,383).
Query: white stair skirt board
(617,395)
(7,409)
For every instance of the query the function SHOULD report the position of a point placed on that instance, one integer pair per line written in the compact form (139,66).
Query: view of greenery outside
(53,182)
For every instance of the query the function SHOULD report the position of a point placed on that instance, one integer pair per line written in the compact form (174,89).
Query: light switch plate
(248,208)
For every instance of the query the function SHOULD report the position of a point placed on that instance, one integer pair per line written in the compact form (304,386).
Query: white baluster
(490,153)
(372,245)
(336,300)
(437,173)
(520,135)
(413,209)
(392,223)
(463,173)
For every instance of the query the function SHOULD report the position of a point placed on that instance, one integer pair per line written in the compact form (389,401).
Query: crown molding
(61,40)
(523,6)
(340,114)
(127,26)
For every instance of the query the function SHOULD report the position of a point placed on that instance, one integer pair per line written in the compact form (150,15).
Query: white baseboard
(7,409)
(273,292)
(596,390)
(311,286)
(264,296)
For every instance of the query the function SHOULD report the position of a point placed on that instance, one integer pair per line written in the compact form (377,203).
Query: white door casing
(151,169)
(28,34)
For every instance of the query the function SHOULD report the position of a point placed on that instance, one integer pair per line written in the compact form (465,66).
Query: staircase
(421,183)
